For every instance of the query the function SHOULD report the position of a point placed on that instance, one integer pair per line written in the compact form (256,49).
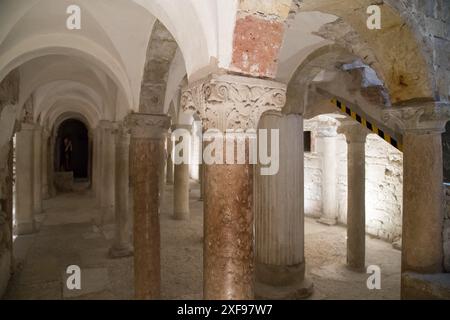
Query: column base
(328,221)
(117,252)
(297,291)
(282,282)
(181,216)
(26,228)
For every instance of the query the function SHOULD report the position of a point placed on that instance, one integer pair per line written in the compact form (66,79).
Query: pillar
(170,168)
(107,186)
(279,216)
(122,246)
(356,195)
(97,174)
(423,212)
(201,173)
(230,102)
(201,179)
(37,170)
(146,152)
(163,168)
(90,168)
(24,180)
(44,164)
(51,166)
(181,183)
(327,139)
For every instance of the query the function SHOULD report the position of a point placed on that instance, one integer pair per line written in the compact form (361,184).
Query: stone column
(37,170)
(201,179)
(51,166)
(24,180)
(279,216)
(146,152)
(181,184)
(97,164)
(327,139)
(162,168)
(90,167)
(201,173)
(44,164)
(230,102)
(8,205)
(170,168)
(122,244)
(422,249)
(356,195)
(107,186)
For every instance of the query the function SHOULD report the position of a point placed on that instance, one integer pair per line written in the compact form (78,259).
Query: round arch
(406,78)
(69,45)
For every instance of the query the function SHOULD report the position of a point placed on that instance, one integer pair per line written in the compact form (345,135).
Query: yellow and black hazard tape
(367,124)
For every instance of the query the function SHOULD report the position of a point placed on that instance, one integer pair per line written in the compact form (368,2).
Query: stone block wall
(431,19)
(384,186)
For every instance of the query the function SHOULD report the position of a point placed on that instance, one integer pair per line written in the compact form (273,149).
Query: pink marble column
(230,102)
(146,152)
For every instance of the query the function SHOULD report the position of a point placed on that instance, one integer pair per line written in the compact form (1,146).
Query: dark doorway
(73,148)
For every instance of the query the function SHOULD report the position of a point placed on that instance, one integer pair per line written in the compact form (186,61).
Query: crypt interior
(87,170)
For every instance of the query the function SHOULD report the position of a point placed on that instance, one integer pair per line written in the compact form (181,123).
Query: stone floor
(68,237)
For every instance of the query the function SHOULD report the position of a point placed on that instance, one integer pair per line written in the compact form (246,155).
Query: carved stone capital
(423,118)
(354,132)
(150,126)
(232,102)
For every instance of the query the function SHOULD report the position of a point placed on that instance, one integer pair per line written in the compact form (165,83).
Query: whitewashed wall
(384,183)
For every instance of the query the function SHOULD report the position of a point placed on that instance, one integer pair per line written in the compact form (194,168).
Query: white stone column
(181,184)
(326,137)
(44,164)
(25,223)
(279,215)
(37,170)
(107,167)
(423,211)
(356,195)
(123,224)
